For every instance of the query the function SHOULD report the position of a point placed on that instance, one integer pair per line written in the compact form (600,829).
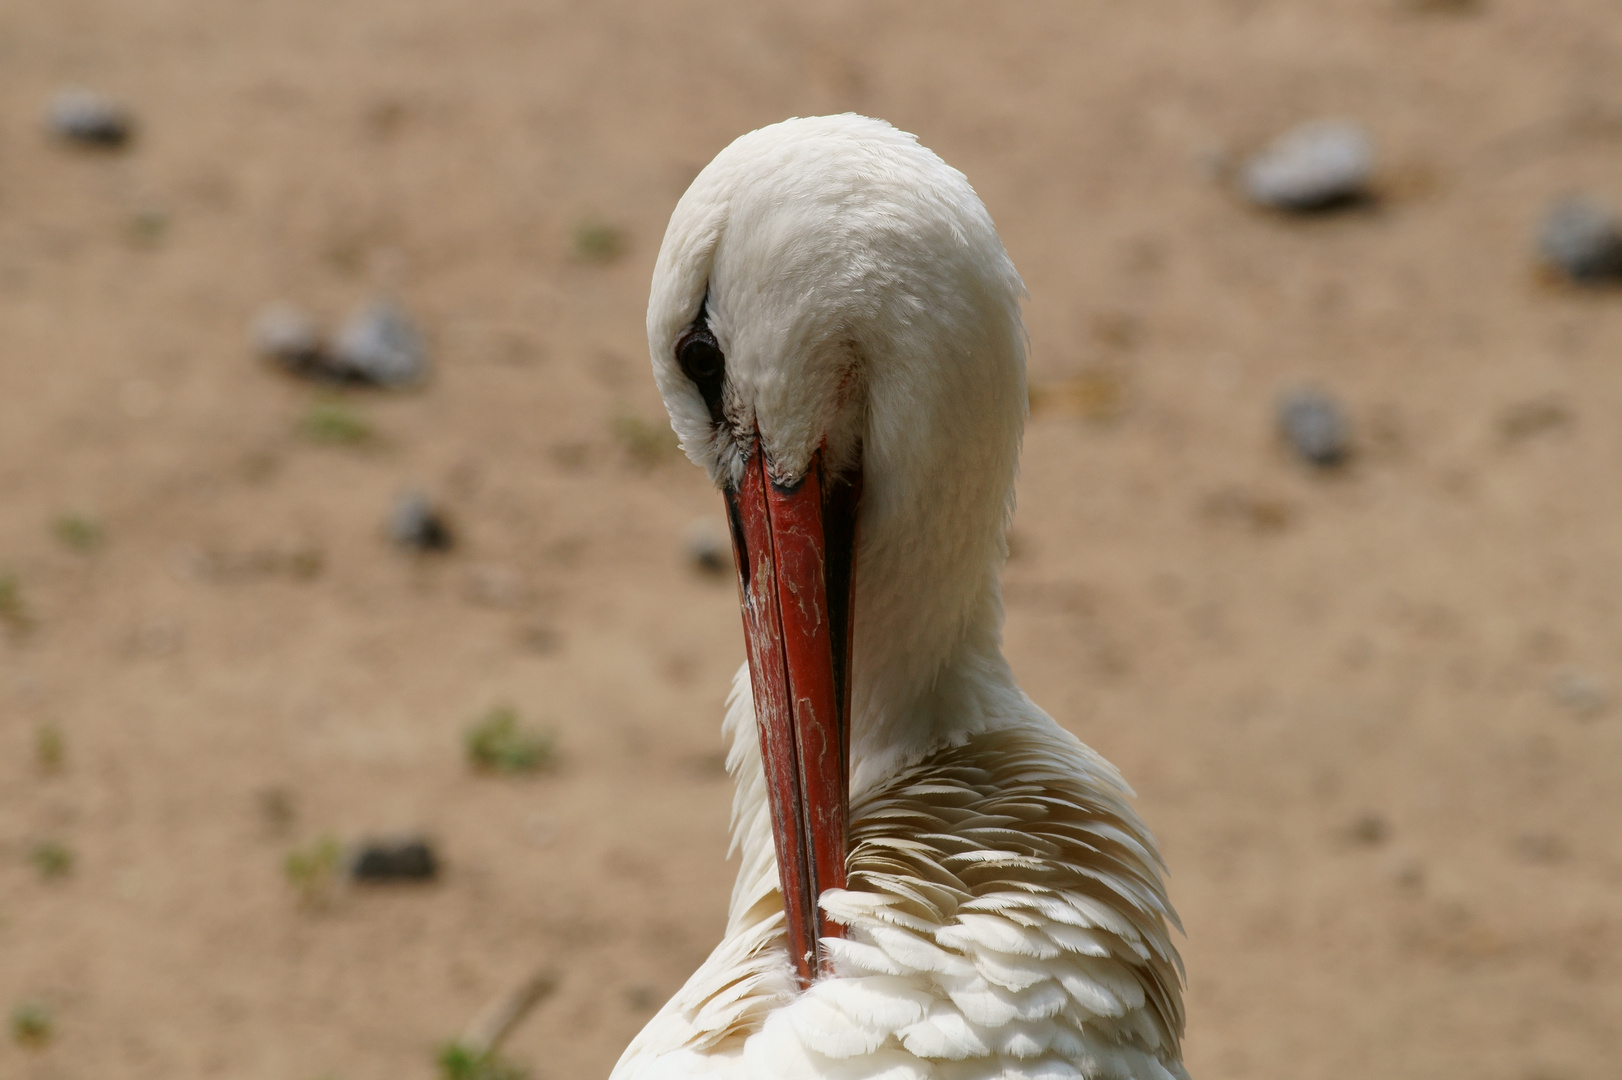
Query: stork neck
(929,669)
(905,707)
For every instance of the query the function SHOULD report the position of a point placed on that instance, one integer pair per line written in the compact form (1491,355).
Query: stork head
(835,329)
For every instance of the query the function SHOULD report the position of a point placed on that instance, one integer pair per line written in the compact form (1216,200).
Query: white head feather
(860,294)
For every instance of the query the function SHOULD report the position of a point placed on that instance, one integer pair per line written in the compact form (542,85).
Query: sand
(1369,715)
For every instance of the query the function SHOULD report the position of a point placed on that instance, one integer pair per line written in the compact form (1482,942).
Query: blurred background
(363,637)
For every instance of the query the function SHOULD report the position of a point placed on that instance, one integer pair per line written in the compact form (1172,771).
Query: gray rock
(380,345)
(85,117)
(407,858)
(708,549)
(495,586)
(1582,239)
(1314,426)
(1317,166)
(1540,847)
(1585,696)
(415,523)
(289,336)
(1371,829)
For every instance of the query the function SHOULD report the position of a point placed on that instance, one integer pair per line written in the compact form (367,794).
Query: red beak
(795,550)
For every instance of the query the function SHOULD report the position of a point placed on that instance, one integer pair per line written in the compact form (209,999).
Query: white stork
(937,880)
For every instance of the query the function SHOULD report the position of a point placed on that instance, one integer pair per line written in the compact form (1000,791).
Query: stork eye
(701,358)
(702,361)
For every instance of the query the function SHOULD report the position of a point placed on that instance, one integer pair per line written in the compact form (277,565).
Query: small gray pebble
(86,117)
(707,548)
(404,859)
(1583,694)
(381,345)
(414,523)
(1370,829)
(1539,847)
(1315,427)
(1316,166)
(1582,239)
(289,336)
(495,586)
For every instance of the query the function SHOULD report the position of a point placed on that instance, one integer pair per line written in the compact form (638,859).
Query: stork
(936,879)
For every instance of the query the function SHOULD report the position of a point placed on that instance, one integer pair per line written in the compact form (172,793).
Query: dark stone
(708,548)
(380,345)
(406,859)
(1370,829)
(1317,166)
(415,523)
(89,119)
(1540,848)
(1314,426)
(288,336)
(1582,240)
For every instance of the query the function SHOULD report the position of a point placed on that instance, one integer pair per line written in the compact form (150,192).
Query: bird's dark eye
(702,361)
(701,358)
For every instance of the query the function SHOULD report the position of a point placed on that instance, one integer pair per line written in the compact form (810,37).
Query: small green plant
(277,808)
(313,870)
(496,741)
(148,225)
(335,423)
(30,1024)
(13,612)
(52,858)
(598,242)
(1098,395)
(77,531)
(50,750)
(648,442)
(460,1062)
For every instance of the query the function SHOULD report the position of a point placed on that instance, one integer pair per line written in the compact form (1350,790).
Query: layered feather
(1005,916)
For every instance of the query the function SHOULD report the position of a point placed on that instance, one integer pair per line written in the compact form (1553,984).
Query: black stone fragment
(289,337)
(1318,166)
(707,548)
(405,859)
(380,345)
(1314,426)
(416,523)
(1581,239)
(89,119)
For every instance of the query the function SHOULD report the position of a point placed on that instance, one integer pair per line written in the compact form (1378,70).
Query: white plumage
(1005,914)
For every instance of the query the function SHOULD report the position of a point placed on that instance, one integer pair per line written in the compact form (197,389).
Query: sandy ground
(1366,714)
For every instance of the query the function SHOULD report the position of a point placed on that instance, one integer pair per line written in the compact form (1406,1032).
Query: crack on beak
(740,543)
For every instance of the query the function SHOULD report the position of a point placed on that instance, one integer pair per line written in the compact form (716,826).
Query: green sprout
(460,1062)
(50,749)
(77,531)
(13,612)
(148,225)
(647,441)
(313,870)
(497,742)
(331,421)
(30,1024)
(598,242)
(52,858)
